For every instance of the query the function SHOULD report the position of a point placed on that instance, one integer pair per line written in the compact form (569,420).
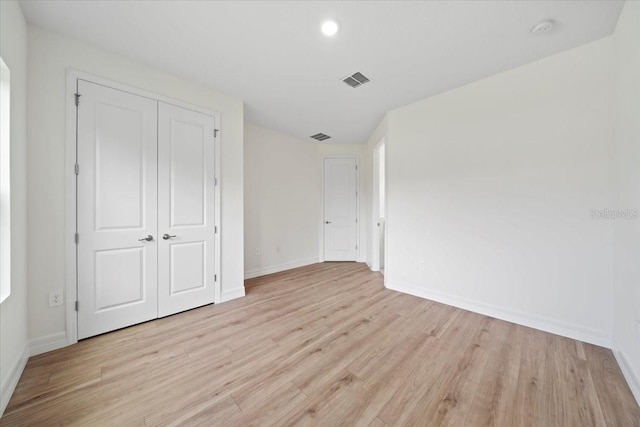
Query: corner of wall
(625,103)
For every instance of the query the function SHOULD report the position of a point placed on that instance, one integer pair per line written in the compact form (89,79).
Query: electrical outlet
(55,298)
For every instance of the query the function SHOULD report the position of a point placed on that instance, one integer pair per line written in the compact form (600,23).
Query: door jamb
(322,210)
(71,151)
(375,245)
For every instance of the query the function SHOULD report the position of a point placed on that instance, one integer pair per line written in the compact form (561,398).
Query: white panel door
(185,209)
(340,209)
(117,207)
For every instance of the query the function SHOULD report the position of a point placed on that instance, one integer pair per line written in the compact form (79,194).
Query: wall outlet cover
(55,298)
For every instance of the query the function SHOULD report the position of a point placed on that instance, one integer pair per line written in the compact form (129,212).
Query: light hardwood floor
(325,345)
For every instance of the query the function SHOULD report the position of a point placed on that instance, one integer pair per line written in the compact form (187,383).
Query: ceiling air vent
(356,79)
(320,136)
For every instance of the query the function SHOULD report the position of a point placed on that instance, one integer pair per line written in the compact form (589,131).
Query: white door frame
(375,202)
(321,229)
(71,279)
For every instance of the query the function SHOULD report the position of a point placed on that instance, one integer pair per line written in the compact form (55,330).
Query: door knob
(146,239)
(327,222)
(166,236)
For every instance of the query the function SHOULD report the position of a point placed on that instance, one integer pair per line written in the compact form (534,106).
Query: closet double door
(145,209)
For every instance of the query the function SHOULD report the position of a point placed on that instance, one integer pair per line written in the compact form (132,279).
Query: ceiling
(273,55)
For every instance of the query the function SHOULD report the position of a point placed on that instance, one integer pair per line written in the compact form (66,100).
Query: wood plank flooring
(324,345)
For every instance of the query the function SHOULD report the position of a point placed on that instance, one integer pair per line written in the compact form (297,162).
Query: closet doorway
(146,208)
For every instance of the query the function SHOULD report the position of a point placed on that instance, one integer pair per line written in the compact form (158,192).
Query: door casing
(375,203)
(71,278)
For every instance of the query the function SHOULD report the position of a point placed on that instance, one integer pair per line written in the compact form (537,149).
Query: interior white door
(185,209)
(117,209)
(340,209)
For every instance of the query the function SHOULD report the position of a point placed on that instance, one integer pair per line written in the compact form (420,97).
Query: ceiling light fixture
(330,28)
(543,27)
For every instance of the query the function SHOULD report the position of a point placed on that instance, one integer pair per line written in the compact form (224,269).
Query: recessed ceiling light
(543,27)
(330,28)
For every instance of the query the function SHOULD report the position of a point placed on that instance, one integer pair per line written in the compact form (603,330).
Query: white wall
(490,188)
(13,311)
(50,55)
(626,179)
(283,199)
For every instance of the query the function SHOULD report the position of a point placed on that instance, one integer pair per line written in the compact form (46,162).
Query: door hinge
(215,133)
(215,229)
(76,238)
(356,247)
(356,167)
(356,220)
(76,169)
(77,95)
(215,181)
(77,305)
(215,277)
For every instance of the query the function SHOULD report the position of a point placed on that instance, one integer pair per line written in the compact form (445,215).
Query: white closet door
(185,209)
(117,206)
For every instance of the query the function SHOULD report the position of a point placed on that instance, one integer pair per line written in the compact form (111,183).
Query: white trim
(5,182)
(48,343)
(9,384)
(629,374)
(70,187)
(217,212)
(70,211)
(232,294)
(257,272)
(375,202)
(92,78)
(553,326)
(356,157)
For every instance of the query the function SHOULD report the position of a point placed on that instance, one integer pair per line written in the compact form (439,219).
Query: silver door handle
(327,222)
(166,236)
(146,239)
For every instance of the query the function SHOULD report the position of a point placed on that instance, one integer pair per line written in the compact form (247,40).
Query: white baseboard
(232,294)
(48,343)
(553,326)
(371,268)
(263,271)
(629,374)
(9,384)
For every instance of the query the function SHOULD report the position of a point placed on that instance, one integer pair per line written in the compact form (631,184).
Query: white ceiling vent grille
(356,79)
(320,136)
